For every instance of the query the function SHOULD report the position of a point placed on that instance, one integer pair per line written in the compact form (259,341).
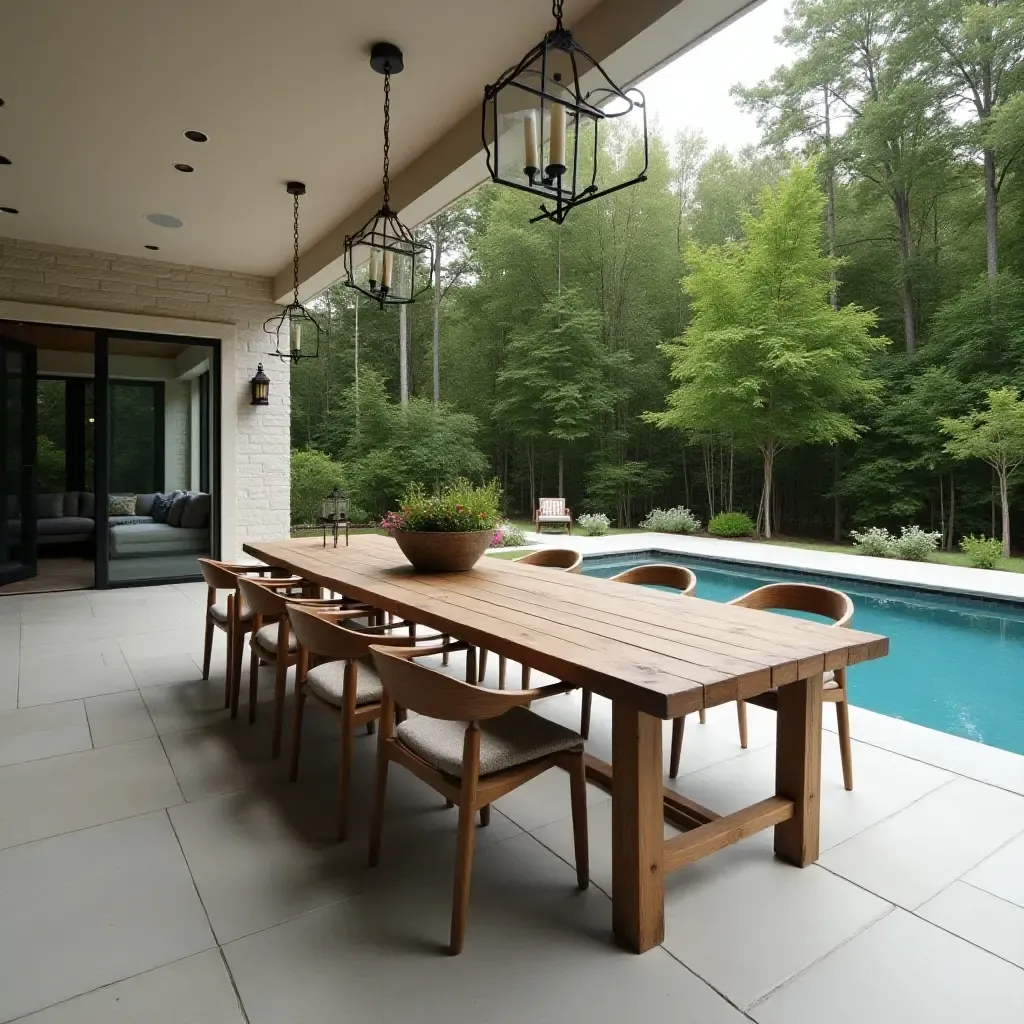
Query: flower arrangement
(671,520)
(508,535)
(459,508)
(594,524)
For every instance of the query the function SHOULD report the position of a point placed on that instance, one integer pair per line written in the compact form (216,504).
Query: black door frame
(27,472)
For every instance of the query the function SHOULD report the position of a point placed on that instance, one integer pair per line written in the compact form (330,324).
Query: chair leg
(371,728)
(526,677)
(471,665)
(230,646)
(741,714)
(482,661)
(280,684)
(254,682)
(845,750)
(207,647)
(445,656)
(588,699)
(236,672)
(581,839)
(448,803)
(677,746)
(300,701)
(502,667)
(703,716)
(380,792)
(485,816)
(463,874)
(344,774)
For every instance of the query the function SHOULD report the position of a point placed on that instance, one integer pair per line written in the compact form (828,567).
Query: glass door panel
(18,456)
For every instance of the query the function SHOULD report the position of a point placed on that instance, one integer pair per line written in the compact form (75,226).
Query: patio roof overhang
(97,96)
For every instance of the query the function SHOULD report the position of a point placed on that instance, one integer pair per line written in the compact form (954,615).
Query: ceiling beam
(631,39)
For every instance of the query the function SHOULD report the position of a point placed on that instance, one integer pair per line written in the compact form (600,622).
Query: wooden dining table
(655,656)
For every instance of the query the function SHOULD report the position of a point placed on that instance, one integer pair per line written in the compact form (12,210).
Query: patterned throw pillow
(162,505)
(121,505)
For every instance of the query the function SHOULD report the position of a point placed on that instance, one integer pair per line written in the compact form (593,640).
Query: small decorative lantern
(538,113)
(395,254)
(334,512)
(260,385)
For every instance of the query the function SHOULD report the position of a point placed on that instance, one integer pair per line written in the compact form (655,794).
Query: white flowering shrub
(594,524)
(876,541)
(671,520)
(915,544)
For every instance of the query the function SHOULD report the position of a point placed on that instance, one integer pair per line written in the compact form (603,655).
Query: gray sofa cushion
(197,512)
(71,503)
(177,510)
(144,504)
(49,506)
(87,504)
(65,526)
(129,520)
(156,539)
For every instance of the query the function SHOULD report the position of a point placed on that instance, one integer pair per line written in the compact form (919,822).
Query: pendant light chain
(295,252)
(387,134)
(556,10)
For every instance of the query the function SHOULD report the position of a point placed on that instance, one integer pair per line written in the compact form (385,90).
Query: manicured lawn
(506,554)
(316,531)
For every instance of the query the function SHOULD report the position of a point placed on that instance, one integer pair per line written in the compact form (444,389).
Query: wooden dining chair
(811,599)
(334,672)
(473,745)
(674,577)
(232,615)
(271,642)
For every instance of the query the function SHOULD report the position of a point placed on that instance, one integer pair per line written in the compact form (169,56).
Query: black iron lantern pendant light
(542,119)
(395,254)
(295,327)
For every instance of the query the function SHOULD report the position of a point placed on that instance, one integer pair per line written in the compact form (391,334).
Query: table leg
(638,878)
(798,769)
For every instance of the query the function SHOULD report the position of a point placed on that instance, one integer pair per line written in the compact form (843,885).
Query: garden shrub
(594,524)
(982,552)
(314,476)
(875,541)
(462,507)
(915,544)
(671,520)
(731,524)
(508,535)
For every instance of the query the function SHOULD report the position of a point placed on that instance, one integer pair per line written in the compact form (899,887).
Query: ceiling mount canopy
(395,254)
(541,123)
(294,324)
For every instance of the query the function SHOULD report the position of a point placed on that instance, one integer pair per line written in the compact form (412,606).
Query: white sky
(693,91)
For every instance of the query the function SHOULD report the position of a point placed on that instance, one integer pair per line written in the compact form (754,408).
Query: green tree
(996,436)
(314,476)
(766,357)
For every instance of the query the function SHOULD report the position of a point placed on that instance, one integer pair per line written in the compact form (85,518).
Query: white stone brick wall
(57,276)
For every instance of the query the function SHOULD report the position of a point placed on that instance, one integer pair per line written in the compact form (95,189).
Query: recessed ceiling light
(7,209)
(193,136)
(164,220)
(153,247)
(184,168)
(5,161)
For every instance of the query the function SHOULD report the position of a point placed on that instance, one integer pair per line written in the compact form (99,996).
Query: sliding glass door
(17,461)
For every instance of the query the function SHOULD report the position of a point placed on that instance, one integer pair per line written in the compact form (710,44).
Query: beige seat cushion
(219,612)
(327,681)
(829,681)
(514,738)
(266,637)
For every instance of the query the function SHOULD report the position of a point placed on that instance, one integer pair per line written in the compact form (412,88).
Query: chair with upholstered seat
(552,512)
(232,616)
(672,577)
(473,745)
(335,673)
(811,599)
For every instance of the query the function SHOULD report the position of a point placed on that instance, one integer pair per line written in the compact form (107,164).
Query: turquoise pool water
(955,663)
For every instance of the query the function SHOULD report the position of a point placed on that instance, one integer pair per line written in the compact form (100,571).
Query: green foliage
(914,544)
(458,508)
(594,524)
(50,471)
(982,552)
(731,524)
(313,476)
(875,541)
(671,520)
(508,535)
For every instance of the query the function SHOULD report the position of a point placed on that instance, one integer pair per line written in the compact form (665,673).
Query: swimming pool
(955,663)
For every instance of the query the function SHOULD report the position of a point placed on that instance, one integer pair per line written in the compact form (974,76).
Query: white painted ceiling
(97,94)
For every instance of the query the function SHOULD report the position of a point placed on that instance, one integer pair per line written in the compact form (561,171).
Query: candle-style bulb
(531,162)
(556,147)
(385,277)
(374,269)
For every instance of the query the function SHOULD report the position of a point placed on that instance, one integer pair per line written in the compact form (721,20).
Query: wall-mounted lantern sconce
(260,387)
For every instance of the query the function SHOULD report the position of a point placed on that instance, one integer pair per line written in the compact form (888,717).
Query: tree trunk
(533,483)
(1004,503)
(991,214)
(732,454)
(403,354)
(830,193)
(561,472)
(902,204)
(768,457)
(952,509)
(942,512)
(437,314)
(837,511)
(686,482)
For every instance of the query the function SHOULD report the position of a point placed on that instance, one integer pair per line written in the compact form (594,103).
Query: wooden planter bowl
(443,552)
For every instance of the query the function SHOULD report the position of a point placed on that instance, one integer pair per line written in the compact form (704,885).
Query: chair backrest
(555,558)
(322,634)
(800,597)
(263,597)
(658,574)
(218,575)
(436,694)
(551,506)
